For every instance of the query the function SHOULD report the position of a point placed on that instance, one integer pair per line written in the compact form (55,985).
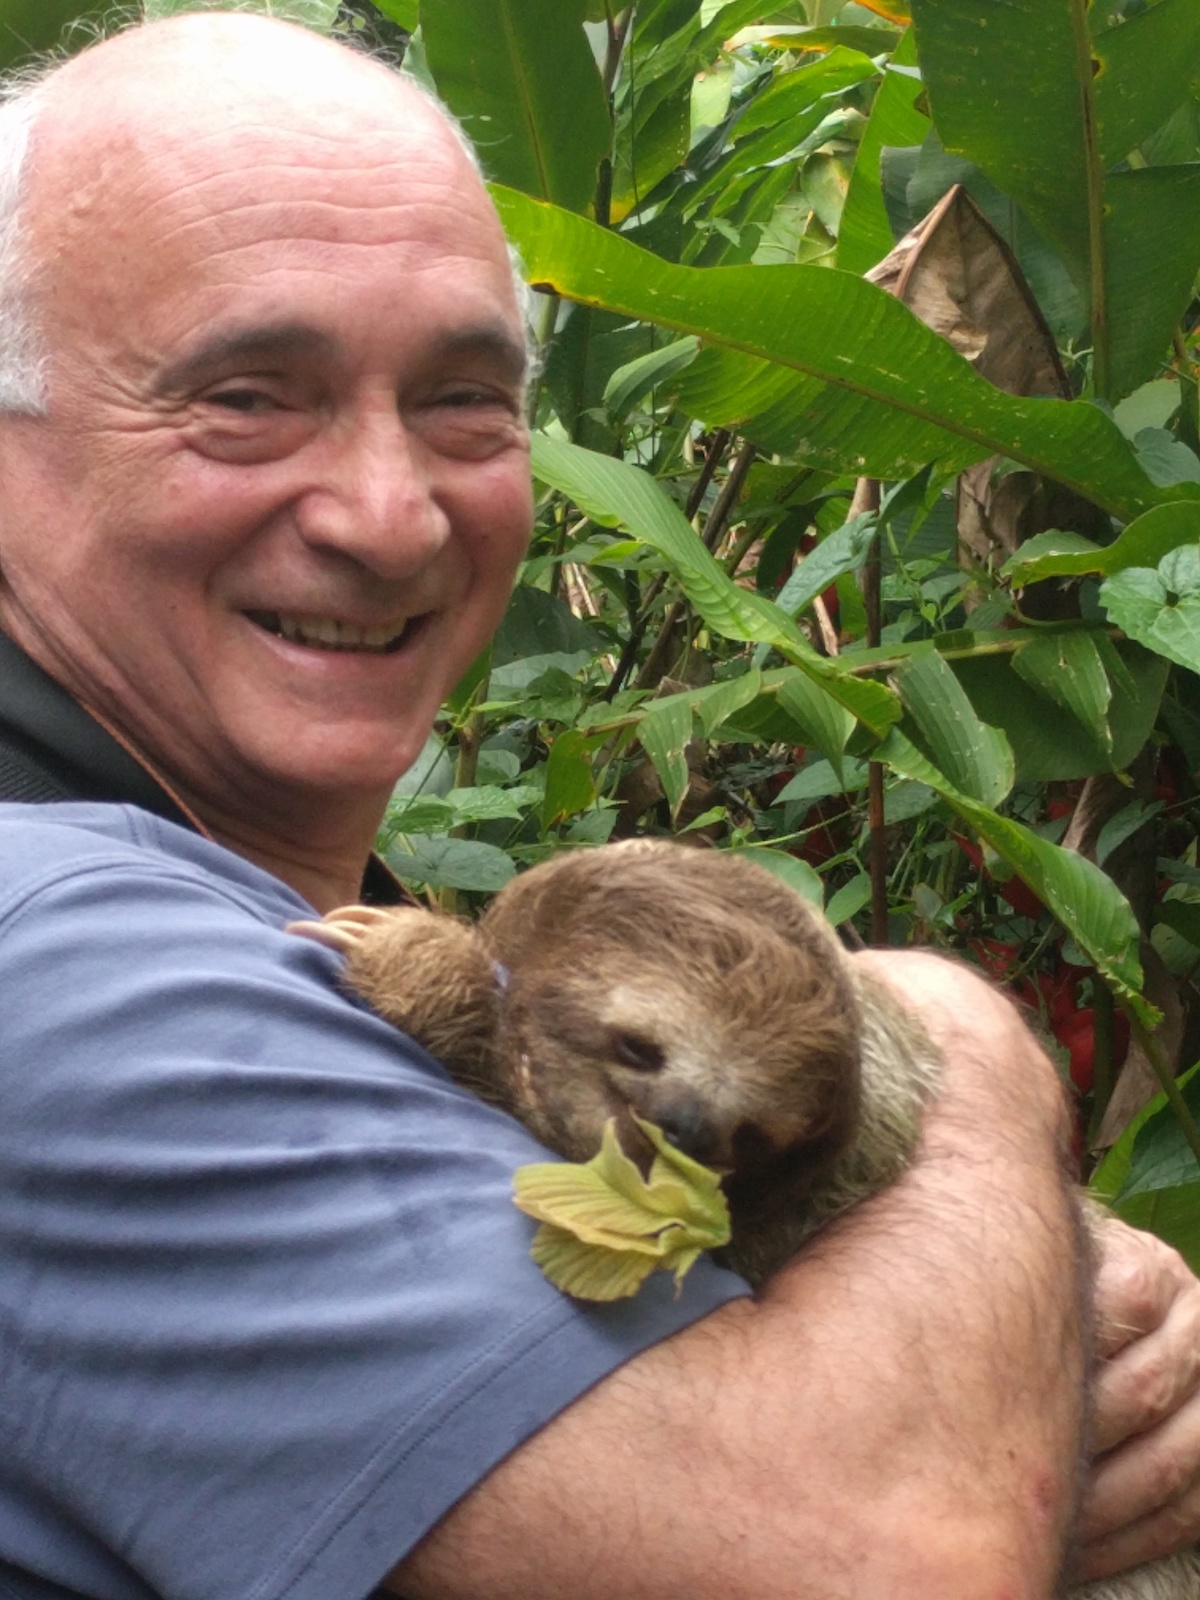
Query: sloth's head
(688,988)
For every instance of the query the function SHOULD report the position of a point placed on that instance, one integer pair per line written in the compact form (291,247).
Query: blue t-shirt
(266,1308)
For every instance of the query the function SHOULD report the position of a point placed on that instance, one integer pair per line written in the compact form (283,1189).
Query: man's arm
(1144,1497)
(896,1416)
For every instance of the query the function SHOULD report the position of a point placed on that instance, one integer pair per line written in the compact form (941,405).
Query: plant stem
(1102,1053)
(1171,1089)
(1101,373)
(873,602)
(721,512)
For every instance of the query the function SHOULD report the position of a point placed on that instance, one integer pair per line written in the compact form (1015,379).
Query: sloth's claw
(344,929)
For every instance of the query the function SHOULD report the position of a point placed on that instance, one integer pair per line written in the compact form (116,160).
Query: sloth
(689,989)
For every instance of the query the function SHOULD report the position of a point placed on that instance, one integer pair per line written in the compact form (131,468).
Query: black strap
(24,779)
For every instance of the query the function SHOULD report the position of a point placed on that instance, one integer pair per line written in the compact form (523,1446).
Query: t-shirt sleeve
(266,1308)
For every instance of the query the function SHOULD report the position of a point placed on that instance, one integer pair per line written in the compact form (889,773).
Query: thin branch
(718,518)
(1166,1077)
(828,632)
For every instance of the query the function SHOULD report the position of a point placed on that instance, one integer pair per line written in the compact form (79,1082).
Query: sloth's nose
(688,1127)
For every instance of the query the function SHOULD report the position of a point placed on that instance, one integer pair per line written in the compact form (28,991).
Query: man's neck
(325,883)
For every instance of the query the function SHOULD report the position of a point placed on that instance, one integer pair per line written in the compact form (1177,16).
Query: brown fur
(689,988)
(693,989)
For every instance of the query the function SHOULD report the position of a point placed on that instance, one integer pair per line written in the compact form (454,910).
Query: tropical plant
(868,536)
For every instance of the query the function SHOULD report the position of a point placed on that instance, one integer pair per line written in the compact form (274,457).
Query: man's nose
(373,496)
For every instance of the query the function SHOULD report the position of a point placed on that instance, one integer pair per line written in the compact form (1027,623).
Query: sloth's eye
(636,1051)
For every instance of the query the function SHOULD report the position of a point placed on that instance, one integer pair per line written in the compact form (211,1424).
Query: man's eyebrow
(222,350)
(494,341)
(491,341)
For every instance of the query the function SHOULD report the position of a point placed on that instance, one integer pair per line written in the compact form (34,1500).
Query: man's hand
(1144,1496)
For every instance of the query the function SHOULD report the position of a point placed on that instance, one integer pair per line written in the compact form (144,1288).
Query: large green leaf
(1143,544)
(406,12)
(976,757)
(28,27)
(520,76)
(1149,1177)
(865,235)
(1023,91)
(1049,744)
(870,388)
(623,494)
(1087,902)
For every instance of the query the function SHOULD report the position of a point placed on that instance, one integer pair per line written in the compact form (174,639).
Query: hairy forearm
(897,1414)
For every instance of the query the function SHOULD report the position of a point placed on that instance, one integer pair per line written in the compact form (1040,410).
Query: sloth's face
(738,1081)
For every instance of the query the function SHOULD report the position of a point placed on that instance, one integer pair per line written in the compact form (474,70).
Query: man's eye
(246,402)
(464,399)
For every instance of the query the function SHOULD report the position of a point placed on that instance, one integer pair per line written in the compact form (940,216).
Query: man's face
(277,504)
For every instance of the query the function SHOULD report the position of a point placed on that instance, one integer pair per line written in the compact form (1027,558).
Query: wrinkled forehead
(175,193)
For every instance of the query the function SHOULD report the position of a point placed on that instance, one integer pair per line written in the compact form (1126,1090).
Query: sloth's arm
(895,1418)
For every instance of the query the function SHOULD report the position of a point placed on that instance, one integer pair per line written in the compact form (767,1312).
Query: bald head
(83,142)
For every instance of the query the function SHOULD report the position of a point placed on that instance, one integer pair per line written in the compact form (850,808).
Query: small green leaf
(1128,821)
(865,234)
(819,781)
(844,550)
(867,40)
(976,757)
(605,1227)
(1183,916)
(849,900)
(570,784)
(1149,1177)
(1067,668)
(1160,609)
(449,863)
(665,732)
(637,378)
(797,874)
(419,814)
(490,803)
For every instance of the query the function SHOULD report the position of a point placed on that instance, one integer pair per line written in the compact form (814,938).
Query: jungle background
(867,452)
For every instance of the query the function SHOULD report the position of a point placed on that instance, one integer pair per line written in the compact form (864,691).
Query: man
(267,1322)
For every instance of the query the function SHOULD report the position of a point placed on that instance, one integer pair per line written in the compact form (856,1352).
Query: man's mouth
(326,633)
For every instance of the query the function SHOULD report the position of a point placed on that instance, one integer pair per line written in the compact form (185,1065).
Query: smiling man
(268,1326)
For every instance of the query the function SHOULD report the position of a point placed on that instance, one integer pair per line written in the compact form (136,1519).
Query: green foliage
(605,1228)
(720,632)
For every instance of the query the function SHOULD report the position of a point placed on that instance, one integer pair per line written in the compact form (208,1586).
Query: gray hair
(22,357)
(23,96)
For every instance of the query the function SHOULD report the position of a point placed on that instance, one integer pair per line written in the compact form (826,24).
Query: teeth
(325,633)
